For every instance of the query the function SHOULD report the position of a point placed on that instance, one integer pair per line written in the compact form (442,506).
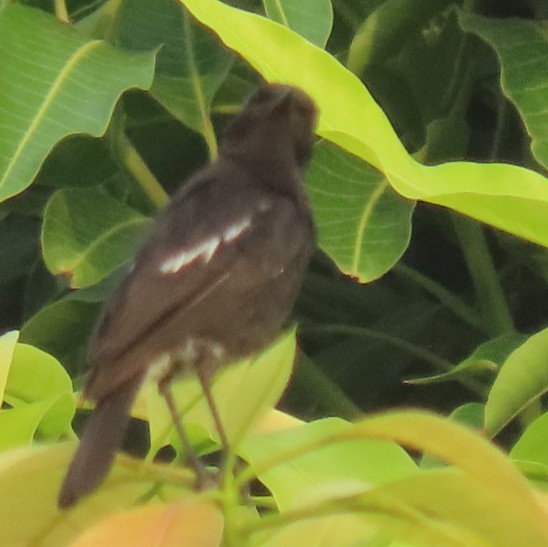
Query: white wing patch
(205,249)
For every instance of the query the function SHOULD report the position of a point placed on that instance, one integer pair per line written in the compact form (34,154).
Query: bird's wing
(220,234)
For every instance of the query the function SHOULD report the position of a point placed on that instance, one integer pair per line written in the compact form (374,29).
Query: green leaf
(531,450)
(87,234)
(448,507)
(483,502)
(34,376)
(388,28)
(487,357)
(39,395)
(462,370)
(297,480)
(480,460)
(312,19)
(362,223)
(522,48)
(62,328)
(78,161)
(8,342)
(512,198)
(47,93)
(522,378)
(469,414)
(19,247)
(263,379)
(191,63)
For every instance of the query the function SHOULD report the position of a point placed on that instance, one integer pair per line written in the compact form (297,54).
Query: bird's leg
(164,386)
(205,376)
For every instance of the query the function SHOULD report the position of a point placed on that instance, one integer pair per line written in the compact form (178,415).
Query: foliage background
(408,302)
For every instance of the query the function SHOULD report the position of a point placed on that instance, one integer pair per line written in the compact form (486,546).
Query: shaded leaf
(487,357)
(191,62)
(387,29)
(78,161)
(87,234)
(362,223)
(18,247)
(522,48)
(47,93)
(62,328)
(312,19)
(462,370)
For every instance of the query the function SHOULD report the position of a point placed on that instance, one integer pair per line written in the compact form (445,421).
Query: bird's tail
(102,437)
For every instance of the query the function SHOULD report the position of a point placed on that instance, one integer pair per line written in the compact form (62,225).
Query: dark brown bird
(217,279)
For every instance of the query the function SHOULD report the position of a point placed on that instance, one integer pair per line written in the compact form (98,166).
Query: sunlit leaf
(193,524)
(522,379)
(265,378)
(297,480)
(8,343)
(509,197)
(531,449)
(29,485)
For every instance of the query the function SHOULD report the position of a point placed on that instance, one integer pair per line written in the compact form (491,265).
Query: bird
(216,280)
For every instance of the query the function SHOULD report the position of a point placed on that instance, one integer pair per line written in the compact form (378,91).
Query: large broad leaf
(531,450)
(197,523)
(54,82)
(508,197)
(483,502)
(522,379)
(312,19)
(362,223)
(361,462)
(84,245)
(263,378)
(39,395)
(522,48)
(61,328)
(191,62)
(29,485)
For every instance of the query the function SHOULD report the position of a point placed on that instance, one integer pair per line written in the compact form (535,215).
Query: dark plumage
(216,280)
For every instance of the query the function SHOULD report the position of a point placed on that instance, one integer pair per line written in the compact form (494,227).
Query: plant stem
(480,264)
(133,162)
(437,362)
(332,397)
(61,11)
(447,298)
